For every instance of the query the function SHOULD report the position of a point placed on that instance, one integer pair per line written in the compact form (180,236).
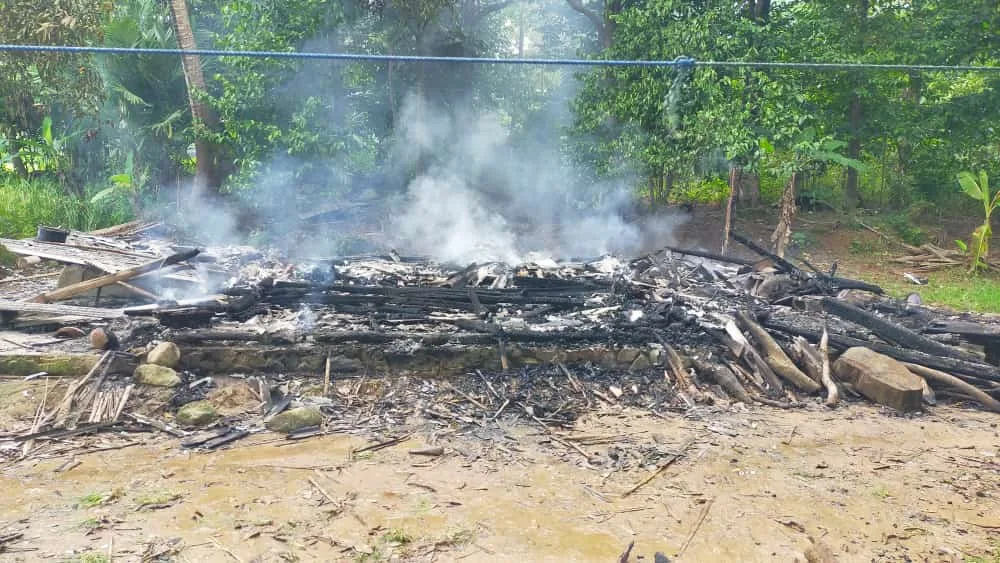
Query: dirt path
(753,486)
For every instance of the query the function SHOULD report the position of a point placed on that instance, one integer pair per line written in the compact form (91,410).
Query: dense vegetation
(90,140)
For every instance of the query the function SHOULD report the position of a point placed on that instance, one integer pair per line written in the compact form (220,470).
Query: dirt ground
(756,484)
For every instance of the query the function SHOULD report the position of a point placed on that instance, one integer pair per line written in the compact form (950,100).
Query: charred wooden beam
(891,331)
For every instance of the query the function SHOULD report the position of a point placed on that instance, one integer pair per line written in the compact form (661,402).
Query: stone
(880,378)
(159,376)
(102,339)
(165,354)
(295,419)
(198,413)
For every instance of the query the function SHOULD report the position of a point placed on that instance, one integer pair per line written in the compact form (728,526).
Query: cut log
(776,357)
(880,378)
(125,275)
(939,378)
(892,332)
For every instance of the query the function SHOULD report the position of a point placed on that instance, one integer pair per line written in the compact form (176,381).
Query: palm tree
(207,179)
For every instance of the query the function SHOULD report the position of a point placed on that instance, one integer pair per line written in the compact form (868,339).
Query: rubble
(313,343)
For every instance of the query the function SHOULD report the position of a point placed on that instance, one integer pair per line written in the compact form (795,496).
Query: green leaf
(47,130)
(969,185)
(123,180)
(961,245)
(766,146)
(102,195)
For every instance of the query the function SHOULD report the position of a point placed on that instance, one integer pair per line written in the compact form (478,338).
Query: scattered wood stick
(326,377)
(382,445)
(663,467)
(624,557)
(226,550)
(101,281)
(322,491)
(468,397)
(697,526)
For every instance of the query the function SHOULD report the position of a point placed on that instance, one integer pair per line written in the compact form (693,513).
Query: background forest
(89,141)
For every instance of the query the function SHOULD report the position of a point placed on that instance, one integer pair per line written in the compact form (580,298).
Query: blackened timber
(710,256)
(972,372)
(780,263)
(964,328)
(892,332)
(829,283)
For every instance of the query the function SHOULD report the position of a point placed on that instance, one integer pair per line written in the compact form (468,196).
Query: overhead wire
(682,61)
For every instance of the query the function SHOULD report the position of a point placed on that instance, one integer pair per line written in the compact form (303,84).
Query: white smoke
(482,196)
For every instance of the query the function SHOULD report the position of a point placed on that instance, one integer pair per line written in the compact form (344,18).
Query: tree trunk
(783,233)
(852,191)
(206,178)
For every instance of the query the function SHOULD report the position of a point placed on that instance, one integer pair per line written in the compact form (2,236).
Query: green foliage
(25,204)
(978,188)
(707,191)
(904,225)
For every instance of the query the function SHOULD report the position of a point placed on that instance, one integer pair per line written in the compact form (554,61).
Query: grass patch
(956,289)
(98,499)
(397,536)
(25,204)
(158,498)
(90,557)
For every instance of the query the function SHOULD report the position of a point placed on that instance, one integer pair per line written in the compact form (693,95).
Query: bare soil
(754,484)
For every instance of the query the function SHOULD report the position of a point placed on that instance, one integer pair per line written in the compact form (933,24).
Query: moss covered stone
(159,376)
(198,413)
(295,419)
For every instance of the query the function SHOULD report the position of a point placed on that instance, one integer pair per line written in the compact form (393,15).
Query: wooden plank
(100,259)
(95,313)
(125,275)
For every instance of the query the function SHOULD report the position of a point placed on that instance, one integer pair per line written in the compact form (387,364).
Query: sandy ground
(752,485)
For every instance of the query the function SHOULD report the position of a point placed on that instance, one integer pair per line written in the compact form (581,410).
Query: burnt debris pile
(390,335)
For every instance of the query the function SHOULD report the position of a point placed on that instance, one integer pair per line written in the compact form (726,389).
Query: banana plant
(979,189)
